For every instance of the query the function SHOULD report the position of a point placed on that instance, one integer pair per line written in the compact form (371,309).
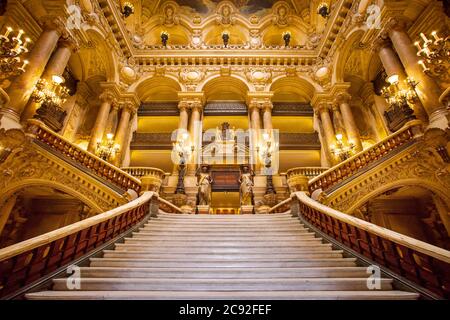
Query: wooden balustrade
(30,260)
(88,160)
(420,262)
(310,172)
(364,158)
(139,172)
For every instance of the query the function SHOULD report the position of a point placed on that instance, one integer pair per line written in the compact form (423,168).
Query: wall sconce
(127,9)
(225,38)
(164,38)
(286,38)
(435,56)
(11,48)
(342,150)
(323,10)
(107,149)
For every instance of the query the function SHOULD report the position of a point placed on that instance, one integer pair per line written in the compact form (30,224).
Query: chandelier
(435,56)
(107,148)
(399,96)
(11,50)
(341,149)
(50,92)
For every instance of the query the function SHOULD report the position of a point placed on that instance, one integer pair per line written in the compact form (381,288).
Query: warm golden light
(393,79)
(109,136)
(57,79)
(339,136)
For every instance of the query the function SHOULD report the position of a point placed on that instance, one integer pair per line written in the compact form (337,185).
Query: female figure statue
(246,188)
(204,186)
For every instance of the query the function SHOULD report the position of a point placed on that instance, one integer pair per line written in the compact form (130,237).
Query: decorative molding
(292,109)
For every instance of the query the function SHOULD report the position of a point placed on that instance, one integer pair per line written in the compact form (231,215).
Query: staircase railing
(420,262)
(139,172)
(85,159)
(310,172)
(23,263)
(363,159)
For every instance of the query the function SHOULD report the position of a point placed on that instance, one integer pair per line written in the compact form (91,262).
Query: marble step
(222,232)
(212,238)
(231,256)
(168,284)
(119,247)
(222,223)
(163,242)
(148,263)
(201,228)
(220,295)
(224,273)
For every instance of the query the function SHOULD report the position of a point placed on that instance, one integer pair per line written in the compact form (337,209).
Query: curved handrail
(310,172)
(170,205)
(279,205)
(139,172)
(32,259)
(418,261)
(57,234)
(96,165)
(362,159)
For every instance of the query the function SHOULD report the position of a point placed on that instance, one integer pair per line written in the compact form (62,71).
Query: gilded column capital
(193,104)
(343,97)
(381,42)
(69,42)
(395,24)
(323,106)
(107,96)
(56,23)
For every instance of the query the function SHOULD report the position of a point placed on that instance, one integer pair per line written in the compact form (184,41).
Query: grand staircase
(179,256)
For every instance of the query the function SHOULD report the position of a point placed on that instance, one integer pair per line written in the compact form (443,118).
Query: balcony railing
(23,263)
(84,159)
(424,264)
(364,159)
(310,172)
(139,172)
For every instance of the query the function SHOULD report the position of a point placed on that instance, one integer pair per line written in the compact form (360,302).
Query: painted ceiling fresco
(257,7)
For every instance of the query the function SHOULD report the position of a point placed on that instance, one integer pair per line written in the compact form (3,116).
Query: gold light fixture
(435,56)
(51,92)
(11,50)
(341,149)
(400,93)
(107,148)
(127,9)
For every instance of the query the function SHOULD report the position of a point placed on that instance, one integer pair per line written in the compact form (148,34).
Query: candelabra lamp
(341,149)
(127,9)
(51,96)
(225,38)
(435,54)
(164,38)
(107,148)
(286,38)
(399,96)
(12,49)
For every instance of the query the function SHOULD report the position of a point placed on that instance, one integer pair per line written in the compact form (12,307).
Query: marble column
(267,116)
(427,89)
(195,129)
(22,87)
(56,66)
(122,130)
(351,128)
(112,122)
(328,129)
(107,99)
(393,66)
(255,124)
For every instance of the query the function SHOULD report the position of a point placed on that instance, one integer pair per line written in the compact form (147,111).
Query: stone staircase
(223,257)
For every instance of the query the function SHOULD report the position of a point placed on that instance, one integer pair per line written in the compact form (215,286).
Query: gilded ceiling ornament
(225,14)
(170,17)
(190,77)
(259,77)
(281,16)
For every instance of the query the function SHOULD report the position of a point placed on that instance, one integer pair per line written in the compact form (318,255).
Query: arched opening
(37,209)
(412,210)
